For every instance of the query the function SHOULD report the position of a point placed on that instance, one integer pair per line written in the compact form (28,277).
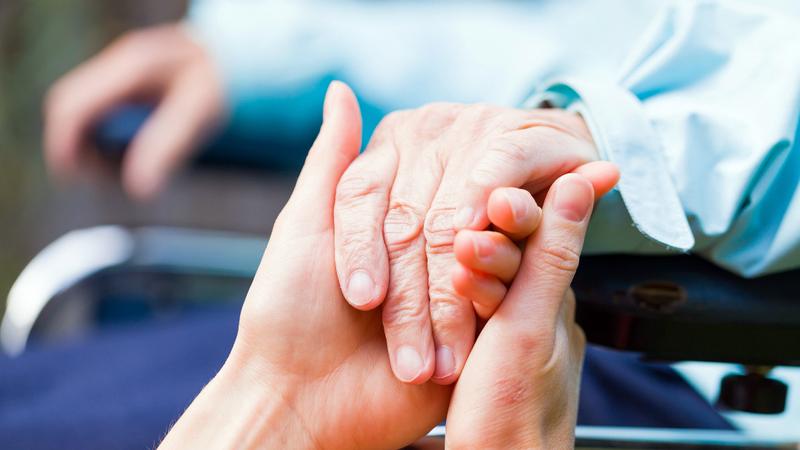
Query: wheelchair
(737,339)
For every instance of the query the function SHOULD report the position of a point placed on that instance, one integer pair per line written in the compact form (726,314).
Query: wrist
(241,408)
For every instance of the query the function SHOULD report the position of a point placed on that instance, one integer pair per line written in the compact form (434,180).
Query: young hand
(307,370)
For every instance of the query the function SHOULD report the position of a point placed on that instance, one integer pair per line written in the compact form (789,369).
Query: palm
(296,315)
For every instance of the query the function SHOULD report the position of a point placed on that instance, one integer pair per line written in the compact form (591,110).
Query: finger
(362,199)
(489,252)
(406,311)
(122,71)
(189,112)
(551,257)
(514,211)
(603,175)
(533,156)
(310,207)
(452,315)
(485,291)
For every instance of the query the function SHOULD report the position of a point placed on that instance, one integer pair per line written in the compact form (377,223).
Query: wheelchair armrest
(114,253)
(685,308)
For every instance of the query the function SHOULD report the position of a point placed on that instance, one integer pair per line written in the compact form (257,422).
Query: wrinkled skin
(309,371)
(425,174)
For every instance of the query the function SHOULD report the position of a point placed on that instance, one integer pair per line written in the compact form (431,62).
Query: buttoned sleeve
(702,122)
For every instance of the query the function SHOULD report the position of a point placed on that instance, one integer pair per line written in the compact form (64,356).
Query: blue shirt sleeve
(277,56)
(706,108)
(696,101)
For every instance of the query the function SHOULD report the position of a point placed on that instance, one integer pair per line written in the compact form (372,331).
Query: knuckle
(385,130)
(503,154)
(480,118)
(391,121)
(354,188)
(479,112)
(402,226)
(447,309)
(403,310)
(432,119)
(438,230)
(508,149)
(355,239)
(557,258)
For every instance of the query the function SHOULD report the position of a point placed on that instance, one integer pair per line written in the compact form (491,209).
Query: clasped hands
(308,370)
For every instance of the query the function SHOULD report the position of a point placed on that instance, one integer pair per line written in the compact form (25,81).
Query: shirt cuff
(624,136)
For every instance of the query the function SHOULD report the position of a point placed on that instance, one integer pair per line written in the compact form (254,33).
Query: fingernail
(519,207)
(463,217)
(572,199)
(360,288)
(408,363)
(445,363)
(482,246)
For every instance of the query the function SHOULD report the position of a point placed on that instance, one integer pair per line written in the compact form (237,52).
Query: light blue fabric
(696,101)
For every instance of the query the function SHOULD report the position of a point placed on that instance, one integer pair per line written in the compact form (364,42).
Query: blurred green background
(39,41)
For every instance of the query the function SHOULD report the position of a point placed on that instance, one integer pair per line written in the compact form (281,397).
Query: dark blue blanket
(122,387)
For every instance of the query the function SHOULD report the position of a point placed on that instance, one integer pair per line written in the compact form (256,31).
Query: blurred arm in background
(265,67)
(160,65)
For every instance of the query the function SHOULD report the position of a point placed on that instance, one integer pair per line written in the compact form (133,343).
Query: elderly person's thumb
(519,388)
(310,208)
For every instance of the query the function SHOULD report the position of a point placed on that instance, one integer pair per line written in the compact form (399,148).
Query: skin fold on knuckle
(386,129)
(403,309)
(448,309)
(503,155)
(556,258)
(438,230)
(402,226)
(478,117)
(431,120)
(356,189)
(359,245)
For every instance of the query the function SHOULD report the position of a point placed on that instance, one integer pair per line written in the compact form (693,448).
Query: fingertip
(340,105)
(411,367)
(460,278)
(603,175)
(362,292)
(514,211)
(141,182)
(463,247)
(572,198)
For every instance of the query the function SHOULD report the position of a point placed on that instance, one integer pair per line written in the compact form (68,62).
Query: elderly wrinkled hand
(426,174)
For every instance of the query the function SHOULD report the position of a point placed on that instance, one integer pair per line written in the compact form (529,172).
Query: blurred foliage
(39,41)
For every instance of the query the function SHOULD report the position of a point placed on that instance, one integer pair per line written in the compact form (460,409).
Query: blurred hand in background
(162,65)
